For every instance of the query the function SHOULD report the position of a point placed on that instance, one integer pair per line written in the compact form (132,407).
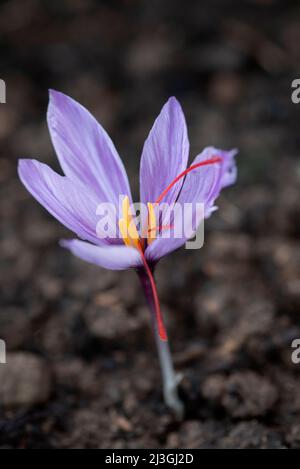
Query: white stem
(170,378)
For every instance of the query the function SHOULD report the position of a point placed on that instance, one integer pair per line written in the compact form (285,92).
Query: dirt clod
(25,380)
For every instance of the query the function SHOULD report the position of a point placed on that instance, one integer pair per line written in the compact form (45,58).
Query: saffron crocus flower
(95,174)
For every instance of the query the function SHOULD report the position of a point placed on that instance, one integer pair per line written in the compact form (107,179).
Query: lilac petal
(165,154)
(229,168)
(225,174)
(84,149)
(161,247)
(229,175)
(68,201)
(111,257)
(202,185)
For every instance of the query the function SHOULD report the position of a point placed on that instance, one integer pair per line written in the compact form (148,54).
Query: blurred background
(81,366)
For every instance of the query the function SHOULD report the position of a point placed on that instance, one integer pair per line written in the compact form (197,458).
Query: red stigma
(216,159)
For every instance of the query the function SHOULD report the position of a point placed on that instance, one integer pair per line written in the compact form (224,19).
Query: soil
(82,368)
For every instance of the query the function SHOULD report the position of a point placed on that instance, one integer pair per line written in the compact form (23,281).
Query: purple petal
(161,247)
(199,187)
(84,149)
(224,174)
(202,185)
(228,167)
(165,154)
(68,201)
(229,175)
(111,257)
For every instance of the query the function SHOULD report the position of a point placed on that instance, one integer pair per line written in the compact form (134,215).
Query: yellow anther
(127,225)
(151,234)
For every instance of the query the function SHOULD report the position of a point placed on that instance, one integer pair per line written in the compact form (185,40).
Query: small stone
(123,424)
(24,380)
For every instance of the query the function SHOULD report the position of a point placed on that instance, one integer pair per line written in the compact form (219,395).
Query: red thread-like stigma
(217,159)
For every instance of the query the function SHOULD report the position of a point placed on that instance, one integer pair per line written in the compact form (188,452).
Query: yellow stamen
(151,234)
(127,226)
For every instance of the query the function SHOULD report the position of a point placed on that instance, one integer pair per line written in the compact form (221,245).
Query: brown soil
(81,335)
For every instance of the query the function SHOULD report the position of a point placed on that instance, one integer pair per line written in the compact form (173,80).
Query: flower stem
(169,377)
